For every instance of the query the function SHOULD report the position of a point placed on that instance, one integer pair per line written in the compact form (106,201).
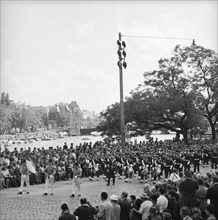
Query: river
(76,140)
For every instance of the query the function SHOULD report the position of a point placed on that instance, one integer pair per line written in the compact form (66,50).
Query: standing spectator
(187,190)
(105,208)
(212,193)
(210,212)
(85,211)
(65,215)
(147,190)
(145,206)
(201,197)
(76,182)
(24,177)
(162,201)
(115,214)
(125,206)
(174,204)
(153,214)
(136,215)
(196,214)
(49,173)
(185,213)
(168,216)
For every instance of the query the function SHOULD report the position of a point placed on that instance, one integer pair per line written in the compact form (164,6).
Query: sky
(59,51)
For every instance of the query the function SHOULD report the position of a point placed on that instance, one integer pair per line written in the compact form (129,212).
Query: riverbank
(76,140)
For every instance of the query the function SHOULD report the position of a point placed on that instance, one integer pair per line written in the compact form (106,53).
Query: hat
(144,196)
(114,197)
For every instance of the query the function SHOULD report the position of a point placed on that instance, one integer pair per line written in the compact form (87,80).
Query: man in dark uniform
(111,170)
(186,161)
(196,161)
(168,167)
(214,159)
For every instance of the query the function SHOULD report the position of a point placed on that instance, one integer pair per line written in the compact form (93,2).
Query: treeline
(19,117)
(180,96)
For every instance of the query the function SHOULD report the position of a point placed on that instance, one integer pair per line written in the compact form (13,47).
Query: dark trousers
(196,166)
(110,175)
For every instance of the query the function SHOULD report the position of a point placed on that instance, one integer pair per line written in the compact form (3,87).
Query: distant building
(90,119)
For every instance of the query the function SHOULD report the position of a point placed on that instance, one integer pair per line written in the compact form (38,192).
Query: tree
(203,68)
(5,99)
(5,124)
(32,120)
(110,120)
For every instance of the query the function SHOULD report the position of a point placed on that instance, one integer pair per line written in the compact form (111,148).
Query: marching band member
(24,177)
(129,173)
(76,182)
(144,173)
(94,170)
(111,170)
(49,177)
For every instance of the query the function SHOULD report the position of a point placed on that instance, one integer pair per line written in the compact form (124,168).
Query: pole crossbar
(153,37)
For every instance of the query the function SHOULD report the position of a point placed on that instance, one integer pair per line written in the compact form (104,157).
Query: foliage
(176,96)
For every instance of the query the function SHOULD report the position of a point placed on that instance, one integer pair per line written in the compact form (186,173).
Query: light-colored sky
(55,51)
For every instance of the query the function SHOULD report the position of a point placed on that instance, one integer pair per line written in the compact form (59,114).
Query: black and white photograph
(109,110)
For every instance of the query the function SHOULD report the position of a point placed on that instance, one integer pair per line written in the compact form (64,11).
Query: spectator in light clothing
(145,206)
(24,177)
(105,208)
(162,201)
(115,214)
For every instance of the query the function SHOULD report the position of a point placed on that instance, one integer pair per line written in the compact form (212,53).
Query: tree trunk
(177,136)
(185,136)
(213,130)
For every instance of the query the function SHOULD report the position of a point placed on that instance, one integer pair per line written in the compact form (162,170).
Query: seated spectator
(7,176)
(2,181)
(65,215)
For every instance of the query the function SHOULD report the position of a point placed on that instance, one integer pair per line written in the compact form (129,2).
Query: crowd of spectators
(193,198)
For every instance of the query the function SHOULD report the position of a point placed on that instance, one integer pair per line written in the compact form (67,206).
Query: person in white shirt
(145,206)
(162,201)
(49,172)
(24,177)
